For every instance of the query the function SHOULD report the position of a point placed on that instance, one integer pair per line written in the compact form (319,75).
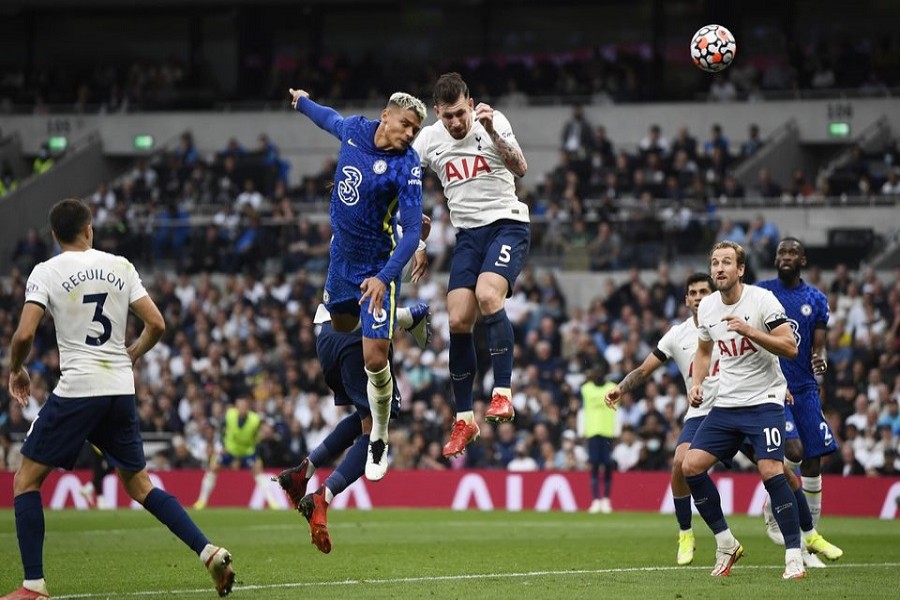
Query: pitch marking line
(350,582)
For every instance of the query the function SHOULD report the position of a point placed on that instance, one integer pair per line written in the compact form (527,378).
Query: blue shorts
(689,430)
(500,247)
(599,450)
(804,420)
(724,430)
(226,459)
(341,358)
(342,296)
(110,423)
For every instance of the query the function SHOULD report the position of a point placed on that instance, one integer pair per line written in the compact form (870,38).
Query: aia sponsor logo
(466,168)
(736,347)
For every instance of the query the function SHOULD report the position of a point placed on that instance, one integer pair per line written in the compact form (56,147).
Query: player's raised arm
(324,117)
(512,155)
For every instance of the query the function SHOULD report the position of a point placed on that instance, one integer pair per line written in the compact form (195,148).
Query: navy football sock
(607,479)
(30,531)
(707,501)
(351,468)
(166,508)
(463,364)
(595,480)
(683,512)
(500,344)
(341,438)
(803,513)
(784,508)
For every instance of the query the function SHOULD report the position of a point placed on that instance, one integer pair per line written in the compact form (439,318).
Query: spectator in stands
(799,189)
(8,181)
(722,89)
(603,148)
(627,453)
(684,141)
(717,139)
(186,152)
(891,186)
(654,142)
(272,157)
(578,140)
(249,198)
(29,251)
(43,162)
(766,187)
(753,142)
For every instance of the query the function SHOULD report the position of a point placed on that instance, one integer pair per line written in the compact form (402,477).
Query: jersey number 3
(99,317)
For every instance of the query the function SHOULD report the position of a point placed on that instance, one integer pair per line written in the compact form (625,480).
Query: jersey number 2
(99,317)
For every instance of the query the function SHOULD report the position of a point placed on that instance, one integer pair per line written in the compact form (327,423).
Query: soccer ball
(713,48)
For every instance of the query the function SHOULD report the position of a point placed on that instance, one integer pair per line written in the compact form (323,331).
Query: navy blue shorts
(688,430)
(804,420)
(500,247)
(724,430)
(108,422)
(226,459)
(341,358)
(342,296)
(599,450)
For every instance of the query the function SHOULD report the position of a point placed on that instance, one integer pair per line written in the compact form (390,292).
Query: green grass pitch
(442,554)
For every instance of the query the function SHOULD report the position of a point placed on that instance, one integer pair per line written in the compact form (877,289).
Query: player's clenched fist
(296,95)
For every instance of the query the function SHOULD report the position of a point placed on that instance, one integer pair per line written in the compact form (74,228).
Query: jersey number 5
(99,317)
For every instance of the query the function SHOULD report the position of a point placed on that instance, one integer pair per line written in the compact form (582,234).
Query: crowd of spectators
(246,335)
(599,74)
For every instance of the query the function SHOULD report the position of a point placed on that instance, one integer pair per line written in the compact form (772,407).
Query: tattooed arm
(634,379)
(513,157)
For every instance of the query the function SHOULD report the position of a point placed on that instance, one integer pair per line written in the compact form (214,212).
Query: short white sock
(380,390)
(310,468)
(207,552)
(503,392)
(725,540)
(812,489)
(36,585)
(404,317)
(467,415)
(329,495)
(792,553)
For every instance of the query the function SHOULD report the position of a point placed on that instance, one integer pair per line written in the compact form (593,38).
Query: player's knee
(489,300)
(793,450)
(138,485)
(460,323)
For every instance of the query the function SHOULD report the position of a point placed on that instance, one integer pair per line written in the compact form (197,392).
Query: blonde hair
(409,102)
(738,250)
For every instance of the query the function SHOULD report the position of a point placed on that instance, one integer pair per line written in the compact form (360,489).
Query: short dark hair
(448,89)
(68,218)
(697,278)
(791,238)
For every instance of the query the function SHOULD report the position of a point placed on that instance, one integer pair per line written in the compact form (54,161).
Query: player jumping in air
(377,175)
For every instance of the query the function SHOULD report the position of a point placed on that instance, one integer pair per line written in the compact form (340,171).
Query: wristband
(422,246)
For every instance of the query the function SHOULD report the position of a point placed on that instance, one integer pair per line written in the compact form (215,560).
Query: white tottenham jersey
(680,344)
(88,294)
(748,374)
(480,190)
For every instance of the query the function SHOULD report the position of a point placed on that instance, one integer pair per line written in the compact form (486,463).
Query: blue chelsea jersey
(370,186)
(807,310)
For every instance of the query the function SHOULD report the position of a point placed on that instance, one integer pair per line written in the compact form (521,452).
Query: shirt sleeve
(410,204)
(37,288)
(420,145)
(137,286)
(504,129)
(772,311)
(664,347)
(823,312)
(702,331)
(324,117)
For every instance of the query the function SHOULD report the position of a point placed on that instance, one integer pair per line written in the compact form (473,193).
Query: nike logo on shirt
(352,143)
